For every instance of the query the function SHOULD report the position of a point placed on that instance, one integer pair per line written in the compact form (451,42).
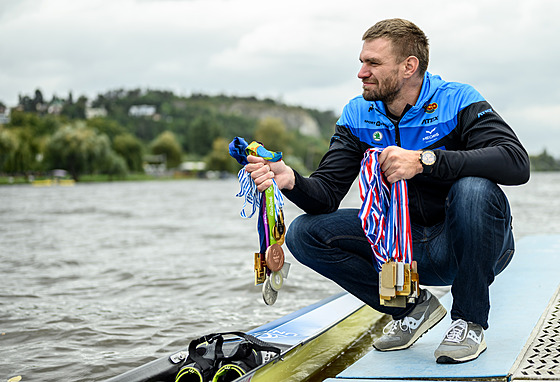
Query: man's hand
(398,163)
(263,171)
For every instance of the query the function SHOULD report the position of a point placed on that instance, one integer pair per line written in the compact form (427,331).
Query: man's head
(395,58)
(406,39)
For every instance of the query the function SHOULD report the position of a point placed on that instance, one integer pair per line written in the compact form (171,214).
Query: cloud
(305,53)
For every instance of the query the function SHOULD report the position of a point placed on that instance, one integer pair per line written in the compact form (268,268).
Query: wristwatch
(428,159)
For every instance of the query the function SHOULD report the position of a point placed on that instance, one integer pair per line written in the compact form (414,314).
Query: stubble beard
(386,92)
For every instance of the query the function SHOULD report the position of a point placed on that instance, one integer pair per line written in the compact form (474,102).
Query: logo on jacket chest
(431,107)
(427,121)
(431,135)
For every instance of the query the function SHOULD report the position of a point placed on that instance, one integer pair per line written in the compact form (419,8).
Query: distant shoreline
(19,180)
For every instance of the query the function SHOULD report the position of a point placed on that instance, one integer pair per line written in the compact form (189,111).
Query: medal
(276,280)
(260,268)
(274,256)
(269,261)
(386,222)
(398,283)
(269,294)
(279,229)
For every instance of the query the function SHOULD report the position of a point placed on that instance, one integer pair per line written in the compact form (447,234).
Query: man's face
(380,72)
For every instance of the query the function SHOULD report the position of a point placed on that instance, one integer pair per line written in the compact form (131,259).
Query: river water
(100,278)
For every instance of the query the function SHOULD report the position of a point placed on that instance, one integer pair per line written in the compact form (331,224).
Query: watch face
(428,158)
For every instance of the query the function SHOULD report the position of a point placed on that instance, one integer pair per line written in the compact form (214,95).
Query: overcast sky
(296,51)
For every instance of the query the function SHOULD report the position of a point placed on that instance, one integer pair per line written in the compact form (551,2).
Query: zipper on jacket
(397,135)
(395,121)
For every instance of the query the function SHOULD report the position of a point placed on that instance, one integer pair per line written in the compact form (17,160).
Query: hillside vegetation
(126,132)
(122,131)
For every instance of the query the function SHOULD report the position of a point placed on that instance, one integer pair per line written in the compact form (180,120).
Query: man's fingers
(259,171)
(255,159)
(263,186)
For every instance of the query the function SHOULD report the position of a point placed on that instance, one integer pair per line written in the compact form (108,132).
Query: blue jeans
(467,250)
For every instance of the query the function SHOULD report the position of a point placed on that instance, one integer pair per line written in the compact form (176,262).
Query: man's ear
(410,66)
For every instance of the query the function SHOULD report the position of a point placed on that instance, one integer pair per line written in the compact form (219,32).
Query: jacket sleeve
(325,188)
(489,149)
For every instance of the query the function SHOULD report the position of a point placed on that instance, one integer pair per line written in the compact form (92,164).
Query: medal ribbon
(384,213)
(239,149)
(269,203)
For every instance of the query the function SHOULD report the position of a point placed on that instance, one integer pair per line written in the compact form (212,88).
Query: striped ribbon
(248,190)
(384,213)
(240,149)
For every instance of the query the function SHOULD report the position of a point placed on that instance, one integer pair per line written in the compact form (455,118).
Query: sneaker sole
(432,321)
(447,359)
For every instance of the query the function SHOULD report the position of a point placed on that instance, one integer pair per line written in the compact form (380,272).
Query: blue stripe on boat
(308,322)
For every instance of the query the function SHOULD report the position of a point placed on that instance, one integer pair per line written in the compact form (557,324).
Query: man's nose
(364,72)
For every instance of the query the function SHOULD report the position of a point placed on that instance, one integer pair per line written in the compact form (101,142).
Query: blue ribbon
(237,149)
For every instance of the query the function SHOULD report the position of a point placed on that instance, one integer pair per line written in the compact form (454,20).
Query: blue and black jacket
(452,119)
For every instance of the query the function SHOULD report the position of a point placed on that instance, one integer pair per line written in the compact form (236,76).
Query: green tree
(47,126)
(78,149)
(544,162)
(106,126)
(130,149)
(22,156)
(310,150)
(113,165)
(38,102)
(8,146)
(30,131)
(219,159)
(75,110)
(166,143)
(24,119)
(272,133)
(201,134)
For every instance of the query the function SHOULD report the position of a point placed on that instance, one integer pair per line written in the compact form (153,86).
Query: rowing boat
(309,339)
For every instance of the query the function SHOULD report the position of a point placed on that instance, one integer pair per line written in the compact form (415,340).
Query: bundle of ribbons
(386,223)
(270,267)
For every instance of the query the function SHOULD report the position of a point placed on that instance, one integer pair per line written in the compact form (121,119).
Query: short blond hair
(406,38)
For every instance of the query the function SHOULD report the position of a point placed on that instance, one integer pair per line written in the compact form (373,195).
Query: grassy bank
(15,180)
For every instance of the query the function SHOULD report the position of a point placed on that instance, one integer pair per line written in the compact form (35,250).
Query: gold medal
(398,283)
(260,268)
(279,229)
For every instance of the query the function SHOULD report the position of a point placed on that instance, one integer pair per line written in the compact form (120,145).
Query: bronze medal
(274,257)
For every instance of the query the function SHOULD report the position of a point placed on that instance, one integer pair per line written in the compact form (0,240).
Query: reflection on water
(99,278)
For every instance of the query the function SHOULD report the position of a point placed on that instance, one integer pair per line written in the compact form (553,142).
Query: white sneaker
(464,341)
(401,334)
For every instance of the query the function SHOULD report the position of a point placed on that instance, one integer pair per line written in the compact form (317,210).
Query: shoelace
(457,331)
(402,323)
(392,326)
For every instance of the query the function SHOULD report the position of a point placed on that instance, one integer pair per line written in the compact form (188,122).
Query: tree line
(59,134)
(119,131)
(544,162)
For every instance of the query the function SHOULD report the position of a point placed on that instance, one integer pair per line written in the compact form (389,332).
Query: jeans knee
(473,194)
(295,234)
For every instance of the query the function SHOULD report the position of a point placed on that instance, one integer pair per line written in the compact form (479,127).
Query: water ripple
(100,278)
